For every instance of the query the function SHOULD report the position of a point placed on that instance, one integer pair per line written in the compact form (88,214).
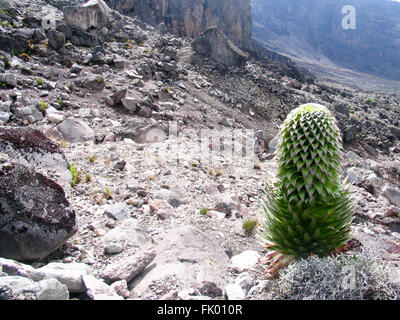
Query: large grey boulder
(70,274)
(32,148)
(75,131)
(35,216)
(215,45)
(92,14)
(7,5)
(21,288)
(185,258)
(392,194)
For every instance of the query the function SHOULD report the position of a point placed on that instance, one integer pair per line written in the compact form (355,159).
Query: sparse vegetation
(76,176)
(204,211)
(371,101)
(336,278)
(310,210)
(92,158)
(39,81)
(249,225)
(43,106)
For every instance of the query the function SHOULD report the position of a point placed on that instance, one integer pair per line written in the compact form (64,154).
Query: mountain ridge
(313,30)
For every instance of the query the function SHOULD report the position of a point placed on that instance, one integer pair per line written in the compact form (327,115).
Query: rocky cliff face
(313,30)
(190,18)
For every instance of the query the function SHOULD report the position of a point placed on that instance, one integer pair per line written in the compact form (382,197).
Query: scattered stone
(171,197)
(117,211)
(92,14)
(392,194)
(121,288)
(56,39)
(161,208)
(69,274)
(113,248)
(98,290)
(227,203)
(210,289)
(21,288)
(9,79)
(214,44)
(234,291)
(94,83)
(14,268)
(129,233)
(75,131)
(128,268)
(245,260)
(185,258)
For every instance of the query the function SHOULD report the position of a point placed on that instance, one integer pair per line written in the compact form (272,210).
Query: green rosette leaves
(310,211)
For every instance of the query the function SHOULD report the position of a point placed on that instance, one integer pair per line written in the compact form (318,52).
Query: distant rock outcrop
(313,31)
(191,18)
(214,44)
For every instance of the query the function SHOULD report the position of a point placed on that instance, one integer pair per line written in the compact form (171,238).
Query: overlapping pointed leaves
(309,155)
(311,212)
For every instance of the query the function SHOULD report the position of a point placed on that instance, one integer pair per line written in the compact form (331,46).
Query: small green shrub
(204,211)
(76,177)
(249,225)
(39,81)
(371,101)
(43,106)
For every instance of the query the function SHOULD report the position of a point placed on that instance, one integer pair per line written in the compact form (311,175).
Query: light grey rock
(171,197)
(227,203)
(234,291)
(129,233)
(94,83)
(129,267)
(113,248)
(9,78)
(214,44)
(15,268)
(129,104)
(69,274)
(117,211)
(7,5)
(54,115)
(245,281)
(5,116)
(185,258)
(21,288)
(52,289)
(75,131)
(392,194)
(272,145)
(92,14)
(374,180)
(56,39)
(96,289)
(121,288)
(245,260)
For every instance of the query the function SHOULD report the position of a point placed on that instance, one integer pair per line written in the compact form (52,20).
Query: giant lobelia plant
(309,212)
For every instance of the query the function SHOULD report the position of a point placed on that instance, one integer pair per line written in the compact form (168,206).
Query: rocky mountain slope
(190,18)
(149,154)
(312,31)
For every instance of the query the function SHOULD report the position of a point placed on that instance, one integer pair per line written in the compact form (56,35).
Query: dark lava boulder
(35,216)
(32,148)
